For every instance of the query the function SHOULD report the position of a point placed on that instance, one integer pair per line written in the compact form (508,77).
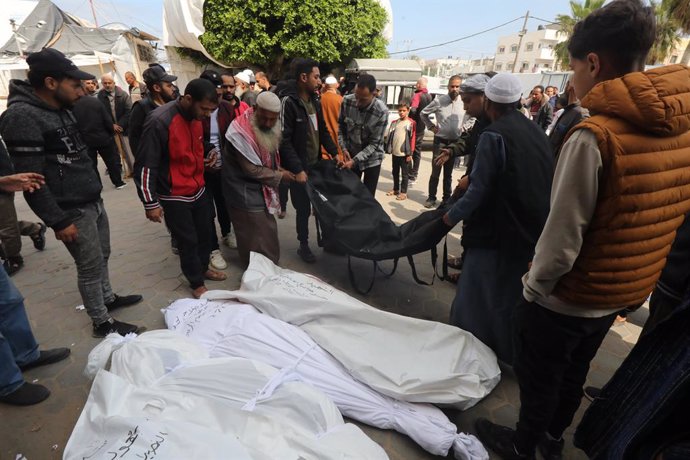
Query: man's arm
(428,110)
(490,160)
(26,147)
(288,155)
(342,127)
(259,173)
(378,131)
(573,200)
(413,141)
(124,119)
(136,126)
(147,161)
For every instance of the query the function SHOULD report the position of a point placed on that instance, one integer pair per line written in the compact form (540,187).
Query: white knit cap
(330,80)
(268,101)
(503,88)
(243,76)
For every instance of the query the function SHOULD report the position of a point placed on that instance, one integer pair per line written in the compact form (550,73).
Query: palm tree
(667,32)
(680,9)
(579,11)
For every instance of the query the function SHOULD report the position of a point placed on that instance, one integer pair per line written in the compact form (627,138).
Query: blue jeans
(90,252)
(17,343)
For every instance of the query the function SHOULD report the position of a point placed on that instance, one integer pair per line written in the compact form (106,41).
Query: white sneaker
(230,240)
(216,260)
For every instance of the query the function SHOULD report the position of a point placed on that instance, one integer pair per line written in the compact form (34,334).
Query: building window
(529,47)
(513,48)
(499,67)
(501,49)
(525,65)
(509,66)
(674,59)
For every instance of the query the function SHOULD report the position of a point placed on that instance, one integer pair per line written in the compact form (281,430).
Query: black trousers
(417,153)
(400,167)
(301,203)
(552,357)
(111,158)
(369,177)
(214,185)
(283,190)
(436,171)
(189,223)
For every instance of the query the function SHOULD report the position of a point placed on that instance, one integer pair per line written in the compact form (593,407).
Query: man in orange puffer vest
(621,189)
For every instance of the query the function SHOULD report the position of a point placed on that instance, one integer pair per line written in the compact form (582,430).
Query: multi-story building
(680,54)
(445,68)
(535,54)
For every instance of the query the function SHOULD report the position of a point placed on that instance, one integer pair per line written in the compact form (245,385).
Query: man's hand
(211,161)
(346,156)
(155,214)
(464,183)
(447,221)
(118,129)
(408,158)
(443,156)
(287,176)
(23,182)
(434,130)
(349,164)
(301,178)
(67,234)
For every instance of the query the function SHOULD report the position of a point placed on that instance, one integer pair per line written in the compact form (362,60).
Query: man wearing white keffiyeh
(251,175)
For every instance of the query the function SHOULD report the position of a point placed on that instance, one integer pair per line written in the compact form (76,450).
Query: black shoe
(13,265)
(305,253)
(123,301)
(26,395)
(173,246)
(47,357)
(551,449)
(592,393)
(39,239)
(429,203)
(114,326)
(121,186)
(499,439)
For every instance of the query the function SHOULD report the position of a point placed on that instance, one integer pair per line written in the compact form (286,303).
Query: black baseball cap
(156,73)
(212,76)
(50,60)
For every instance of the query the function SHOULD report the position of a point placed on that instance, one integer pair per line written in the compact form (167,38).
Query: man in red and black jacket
(169,173)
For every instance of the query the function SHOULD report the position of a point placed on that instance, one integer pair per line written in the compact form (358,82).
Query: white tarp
(402,357)
(210,408)
(233,329)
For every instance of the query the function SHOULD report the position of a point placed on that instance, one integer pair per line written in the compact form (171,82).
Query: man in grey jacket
(42,137)
(447,127)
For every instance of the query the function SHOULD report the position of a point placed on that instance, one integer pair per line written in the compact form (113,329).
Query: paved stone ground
(141,262)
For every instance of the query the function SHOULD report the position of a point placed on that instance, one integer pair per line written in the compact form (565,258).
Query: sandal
(391,193)
(453,277)
(455,262)
(215,275)
(198,292)
(402,196)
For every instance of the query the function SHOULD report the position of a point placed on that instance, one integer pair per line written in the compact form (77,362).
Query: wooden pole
(521,34)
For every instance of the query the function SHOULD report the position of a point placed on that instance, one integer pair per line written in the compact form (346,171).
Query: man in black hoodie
(304,132)
(42,137)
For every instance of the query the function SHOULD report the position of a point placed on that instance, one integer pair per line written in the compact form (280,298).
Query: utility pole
(93,12)
(521,34)
(13,23)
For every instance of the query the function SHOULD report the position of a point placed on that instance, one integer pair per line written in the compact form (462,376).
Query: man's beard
(267,139)
(167,97)
(64,102)
(239,91)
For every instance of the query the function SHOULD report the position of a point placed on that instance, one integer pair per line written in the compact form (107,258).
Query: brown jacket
(642,125)
(330,105)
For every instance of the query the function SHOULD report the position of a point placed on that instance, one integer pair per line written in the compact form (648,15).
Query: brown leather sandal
(214,275)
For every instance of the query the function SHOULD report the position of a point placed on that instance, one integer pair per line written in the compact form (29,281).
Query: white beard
(239,91)
(269,140)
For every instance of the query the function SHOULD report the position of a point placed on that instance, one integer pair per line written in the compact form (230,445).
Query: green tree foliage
(680,10)
(667,32)
(268,33)
(578,11)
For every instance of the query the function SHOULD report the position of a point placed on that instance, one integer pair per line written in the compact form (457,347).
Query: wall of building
(535,54)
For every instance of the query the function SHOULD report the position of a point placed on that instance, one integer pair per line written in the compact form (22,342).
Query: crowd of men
(567,214)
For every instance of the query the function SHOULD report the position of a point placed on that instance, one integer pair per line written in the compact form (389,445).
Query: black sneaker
(499,439)
(121,186)
(429,203)
(305,253)
(118,327)
(592,393)
(13,265)
(39,239)
(550,449)
(123,301)
(47,357)
(26,395)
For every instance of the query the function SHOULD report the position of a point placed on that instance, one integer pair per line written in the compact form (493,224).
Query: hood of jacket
(656,101)
(22,91)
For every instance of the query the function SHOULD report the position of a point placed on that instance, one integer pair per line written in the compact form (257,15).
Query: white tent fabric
(402,357)
(233,329)
(209,408)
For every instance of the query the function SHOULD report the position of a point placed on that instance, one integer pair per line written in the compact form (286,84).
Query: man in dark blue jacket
(304,132)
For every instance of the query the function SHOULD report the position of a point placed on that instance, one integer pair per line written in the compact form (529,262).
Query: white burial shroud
(163,406)
(233,329)
(405,358)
